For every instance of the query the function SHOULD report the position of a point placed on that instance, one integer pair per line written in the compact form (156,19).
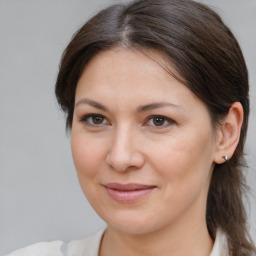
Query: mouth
(125,193)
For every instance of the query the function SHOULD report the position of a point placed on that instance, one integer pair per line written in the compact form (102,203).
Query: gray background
(40,198)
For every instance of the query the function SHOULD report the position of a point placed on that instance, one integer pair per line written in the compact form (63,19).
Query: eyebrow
(156,105)
(139,109)
(91,103)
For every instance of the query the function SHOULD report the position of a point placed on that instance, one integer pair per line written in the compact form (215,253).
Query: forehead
(139,56)
(130,66)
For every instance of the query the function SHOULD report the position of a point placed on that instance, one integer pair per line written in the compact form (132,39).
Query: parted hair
(207,59)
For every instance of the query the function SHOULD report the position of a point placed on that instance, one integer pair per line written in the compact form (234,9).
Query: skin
(124,144)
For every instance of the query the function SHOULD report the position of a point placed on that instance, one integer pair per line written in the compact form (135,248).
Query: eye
(94,120)
(159,121)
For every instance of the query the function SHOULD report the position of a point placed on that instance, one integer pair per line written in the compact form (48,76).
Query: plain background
(40,198)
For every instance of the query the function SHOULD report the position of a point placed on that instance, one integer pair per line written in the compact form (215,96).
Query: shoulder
(40,249)
(89,245)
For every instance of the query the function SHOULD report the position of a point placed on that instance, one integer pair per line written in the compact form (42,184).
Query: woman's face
(142,144)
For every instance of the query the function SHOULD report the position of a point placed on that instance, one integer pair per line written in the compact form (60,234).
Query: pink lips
(126,193)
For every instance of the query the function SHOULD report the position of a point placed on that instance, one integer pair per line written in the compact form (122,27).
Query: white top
(90,247)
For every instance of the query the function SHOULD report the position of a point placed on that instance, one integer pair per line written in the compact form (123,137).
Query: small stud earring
(225,158)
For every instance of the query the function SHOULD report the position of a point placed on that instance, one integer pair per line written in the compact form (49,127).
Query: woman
(156,96)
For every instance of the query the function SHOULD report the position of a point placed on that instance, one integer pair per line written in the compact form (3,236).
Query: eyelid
(169,120)
(84,119)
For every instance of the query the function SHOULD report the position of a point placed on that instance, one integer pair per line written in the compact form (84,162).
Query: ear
(228,133)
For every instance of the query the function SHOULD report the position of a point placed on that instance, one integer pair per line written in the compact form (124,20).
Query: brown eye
(94,120)
(158,121)
(97,119)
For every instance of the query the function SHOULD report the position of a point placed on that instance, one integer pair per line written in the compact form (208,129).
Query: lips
(126,193)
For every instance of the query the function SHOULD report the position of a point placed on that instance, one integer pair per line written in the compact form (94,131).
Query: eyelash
(167,121)
(85,119)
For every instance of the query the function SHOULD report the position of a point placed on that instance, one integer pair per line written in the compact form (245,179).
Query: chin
(130,223)
(131,229)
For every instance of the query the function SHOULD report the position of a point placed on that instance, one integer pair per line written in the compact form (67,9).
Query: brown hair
(208,59)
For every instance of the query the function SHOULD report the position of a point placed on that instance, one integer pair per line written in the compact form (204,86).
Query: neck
(193,240)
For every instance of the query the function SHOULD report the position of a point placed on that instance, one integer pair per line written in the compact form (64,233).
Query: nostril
(125,162)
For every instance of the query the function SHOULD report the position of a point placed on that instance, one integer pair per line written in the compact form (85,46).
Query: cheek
(86,155)
(185,161)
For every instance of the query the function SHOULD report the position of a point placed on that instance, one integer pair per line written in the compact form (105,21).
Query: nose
(124,153)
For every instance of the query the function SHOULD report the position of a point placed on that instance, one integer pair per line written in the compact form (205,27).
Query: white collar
(220,247)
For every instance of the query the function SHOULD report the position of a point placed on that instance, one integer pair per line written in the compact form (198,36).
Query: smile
(125,193)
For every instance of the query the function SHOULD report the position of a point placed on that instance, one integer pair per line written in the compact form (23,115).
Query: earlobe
(229,133)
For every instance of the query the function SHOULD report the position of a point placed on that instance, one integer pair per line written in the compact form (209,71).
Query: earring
(225,158)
